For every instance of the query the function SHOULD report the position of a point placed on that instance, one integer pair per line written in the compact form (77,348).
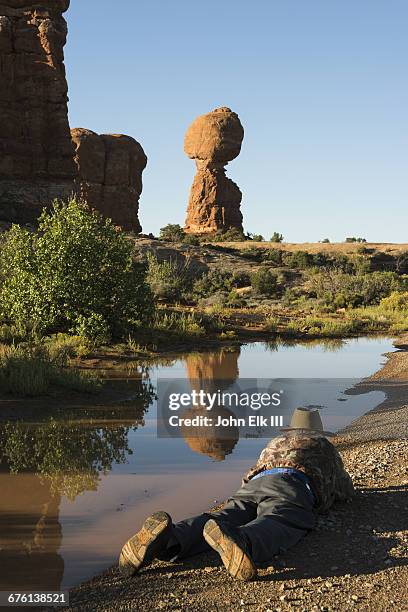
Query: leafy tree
(276,237)
(74,273)
(172,233)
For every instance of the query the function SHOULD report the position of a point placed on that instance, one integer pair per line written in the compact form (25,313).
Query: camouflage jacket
(316,457)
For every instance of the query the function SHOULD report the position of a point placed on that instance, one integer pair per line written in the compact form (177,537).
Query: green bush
(276,237)
(343,290)
(191,240)
(240,279)
(172,233)
(298,259)
(231,235)
(264,281)
(395,302)
(274,256)
(168,279)
(75,264)
(213,282)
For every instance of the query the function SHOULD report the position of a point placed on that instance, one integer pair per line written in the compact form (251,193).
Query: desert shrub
(343,290)
(213,282)
(325,241)
(253,254)
(256,237)
(231,235)
(172,233)
(264,281)
(191,240)
(235,300)
(396,301)
(276,237)
(75,264)
(271,323)
(298,259)
(274,256)
(168,279)
(240,279)
(401,263)
(180,323)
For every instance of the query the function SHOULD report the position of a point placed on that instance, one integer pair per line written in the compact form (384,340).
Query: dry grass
(319,247)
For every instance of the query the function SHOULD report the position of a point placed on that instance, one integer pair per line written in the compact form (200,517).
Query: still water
(76,483)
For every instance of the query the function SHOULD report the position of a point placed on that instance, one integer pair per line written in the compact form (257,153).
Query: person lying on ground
(298,475)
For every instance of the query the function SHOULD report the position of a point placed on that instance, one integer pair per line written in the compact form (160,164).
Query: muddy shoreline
(350,561)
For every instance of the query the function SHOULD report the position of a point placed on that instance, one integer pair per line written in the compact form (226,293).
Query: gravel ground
(356,559)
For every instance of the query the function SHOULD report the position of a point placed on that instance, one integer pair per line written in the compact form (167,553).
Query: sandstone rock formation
(213,140)
(36,153)
(110,170)
(38,159)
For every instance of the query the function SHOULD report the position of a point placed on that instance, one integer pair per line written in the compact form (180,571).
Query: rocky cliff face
(213,140)
(110,170)
(39,160)
(36,152)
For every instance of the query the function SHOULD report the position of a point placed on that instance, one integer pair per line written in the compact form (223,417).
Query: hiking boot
(143,547)
(231,546)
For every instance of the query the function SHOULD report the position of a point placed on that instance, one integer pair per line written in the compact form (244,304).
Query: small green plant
(33,370)
(229,235)
(276,237)
(325,241)
(214,281)
(168,279)
(172,233)
(298,259)
(191,240)
(181,323)
(256,237)
(264,281)
(271,323)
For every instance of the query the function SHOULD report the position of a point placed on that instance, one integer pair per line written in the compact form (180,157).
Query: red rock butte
(213,140)
(39,160)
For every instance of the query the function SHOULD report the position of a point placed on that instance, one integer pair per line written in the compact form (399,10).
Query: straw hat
(307,420)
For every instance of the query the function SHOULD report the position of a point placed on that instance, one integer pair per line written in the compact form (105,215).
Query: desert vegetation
(77,286)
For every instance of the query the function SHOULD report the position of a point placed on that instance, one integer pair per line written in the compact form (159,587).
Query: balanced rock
(213,140)
(110,170)
(36,152)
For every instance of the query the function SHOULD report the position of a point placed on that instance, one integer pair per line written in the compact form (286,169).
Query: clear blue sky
(320,87)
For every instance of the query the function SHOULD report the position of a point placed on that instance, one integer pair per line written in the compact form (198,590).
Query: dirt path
(356,559)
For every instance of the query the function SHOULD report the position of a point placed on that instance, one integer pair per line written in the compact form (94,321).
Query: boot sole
(237,563)
(145,544)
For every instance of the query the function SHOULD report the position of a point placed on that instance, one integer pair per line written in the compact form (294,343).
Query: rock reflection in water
(211,372)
